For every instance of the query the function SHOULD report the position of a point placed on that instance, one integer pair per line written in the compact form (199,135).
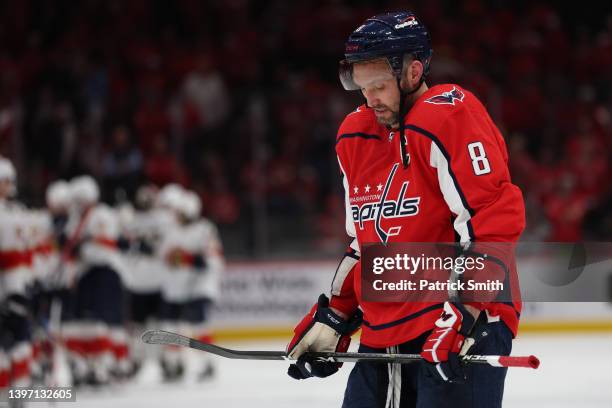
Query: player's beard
(390,117)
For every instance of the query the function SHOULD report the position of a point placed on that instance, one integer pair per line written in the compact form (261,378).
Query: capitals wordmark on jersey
(385,207)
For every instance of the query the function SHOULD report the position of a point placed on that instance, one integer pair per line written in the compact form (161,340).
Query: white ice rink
(576,371)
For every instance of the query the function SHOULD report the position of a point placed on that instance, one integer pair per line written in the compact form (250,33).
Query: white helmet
(170,197)
(7,170)
(84,191)
(192,205)
(146,195)
(125,214)
(8,173)
(58,195)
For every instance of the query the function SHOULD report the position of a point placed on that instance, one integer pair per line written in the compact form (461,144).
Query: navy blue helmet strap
(403,111)
(401,118)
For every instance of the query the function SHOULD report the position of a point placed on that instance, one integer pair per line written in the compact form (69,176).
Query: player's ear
(412,74)
(415,72)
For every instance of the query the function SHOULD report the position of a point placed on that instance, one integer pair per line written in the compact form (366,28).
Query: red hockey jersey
(457,184)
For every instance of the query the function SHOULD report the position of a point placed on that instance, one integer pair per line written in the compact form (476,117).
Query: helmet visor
(345,73)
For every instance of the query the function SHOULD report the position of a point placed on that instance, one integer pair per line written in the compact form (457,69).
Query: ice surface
(576,371)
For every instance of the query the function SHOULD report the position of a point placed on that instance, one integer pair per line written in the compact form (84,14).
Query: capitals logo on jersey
(447,98)
(402,206)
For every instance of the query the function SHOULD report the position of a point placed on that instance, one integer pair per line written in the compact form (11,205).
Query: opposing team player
(145,268)
(438,149)
(39,233)
(53,271)
(193,259)
(16,275)
(58,201)
(97,340)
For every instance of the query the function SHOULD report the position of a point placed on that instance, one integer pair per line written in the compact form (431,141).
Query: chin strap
(402,114)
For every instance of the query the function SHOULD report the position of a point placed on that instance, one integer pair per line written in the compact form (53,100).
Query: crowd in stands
(239,100)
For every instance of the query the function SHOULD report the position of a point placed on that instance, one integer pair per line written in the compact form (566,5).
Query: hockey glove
(123,243)
(320,330)
(144,247)
(445,344)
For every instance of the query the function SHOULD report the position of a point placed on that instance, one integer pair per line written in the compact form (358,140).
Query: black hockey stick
(164,337)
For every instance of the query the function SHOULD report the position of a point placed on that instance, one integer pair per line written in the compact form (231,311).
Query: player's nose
(371,99)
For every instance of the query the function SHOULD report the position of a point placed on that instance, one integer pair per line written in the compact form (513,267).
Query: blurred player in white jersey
(144,272)
(193,258)
(39,233)
(15,278)
(96,340)
(51,271)
(58,200)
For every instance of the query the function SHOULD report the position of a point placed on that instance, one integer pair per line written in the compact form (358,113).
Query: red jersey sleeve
(470,160)
(343,294)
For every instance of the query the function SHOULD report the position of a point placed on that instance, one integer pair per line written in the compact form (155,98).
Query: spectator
(191,85)
(122,165)
(205,91)
(162,166)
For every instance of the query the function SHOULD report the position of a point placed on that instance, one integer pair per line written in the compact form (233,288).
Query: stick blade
(174,339)
(164,337)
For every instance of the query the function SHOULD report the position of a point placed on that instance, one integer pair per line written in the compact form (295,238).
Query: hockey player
(97,340)
(15,277)
(58,200)
(145,268)
(439,146)
(193,259)
(52,273)
(144,276)
(39,232)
